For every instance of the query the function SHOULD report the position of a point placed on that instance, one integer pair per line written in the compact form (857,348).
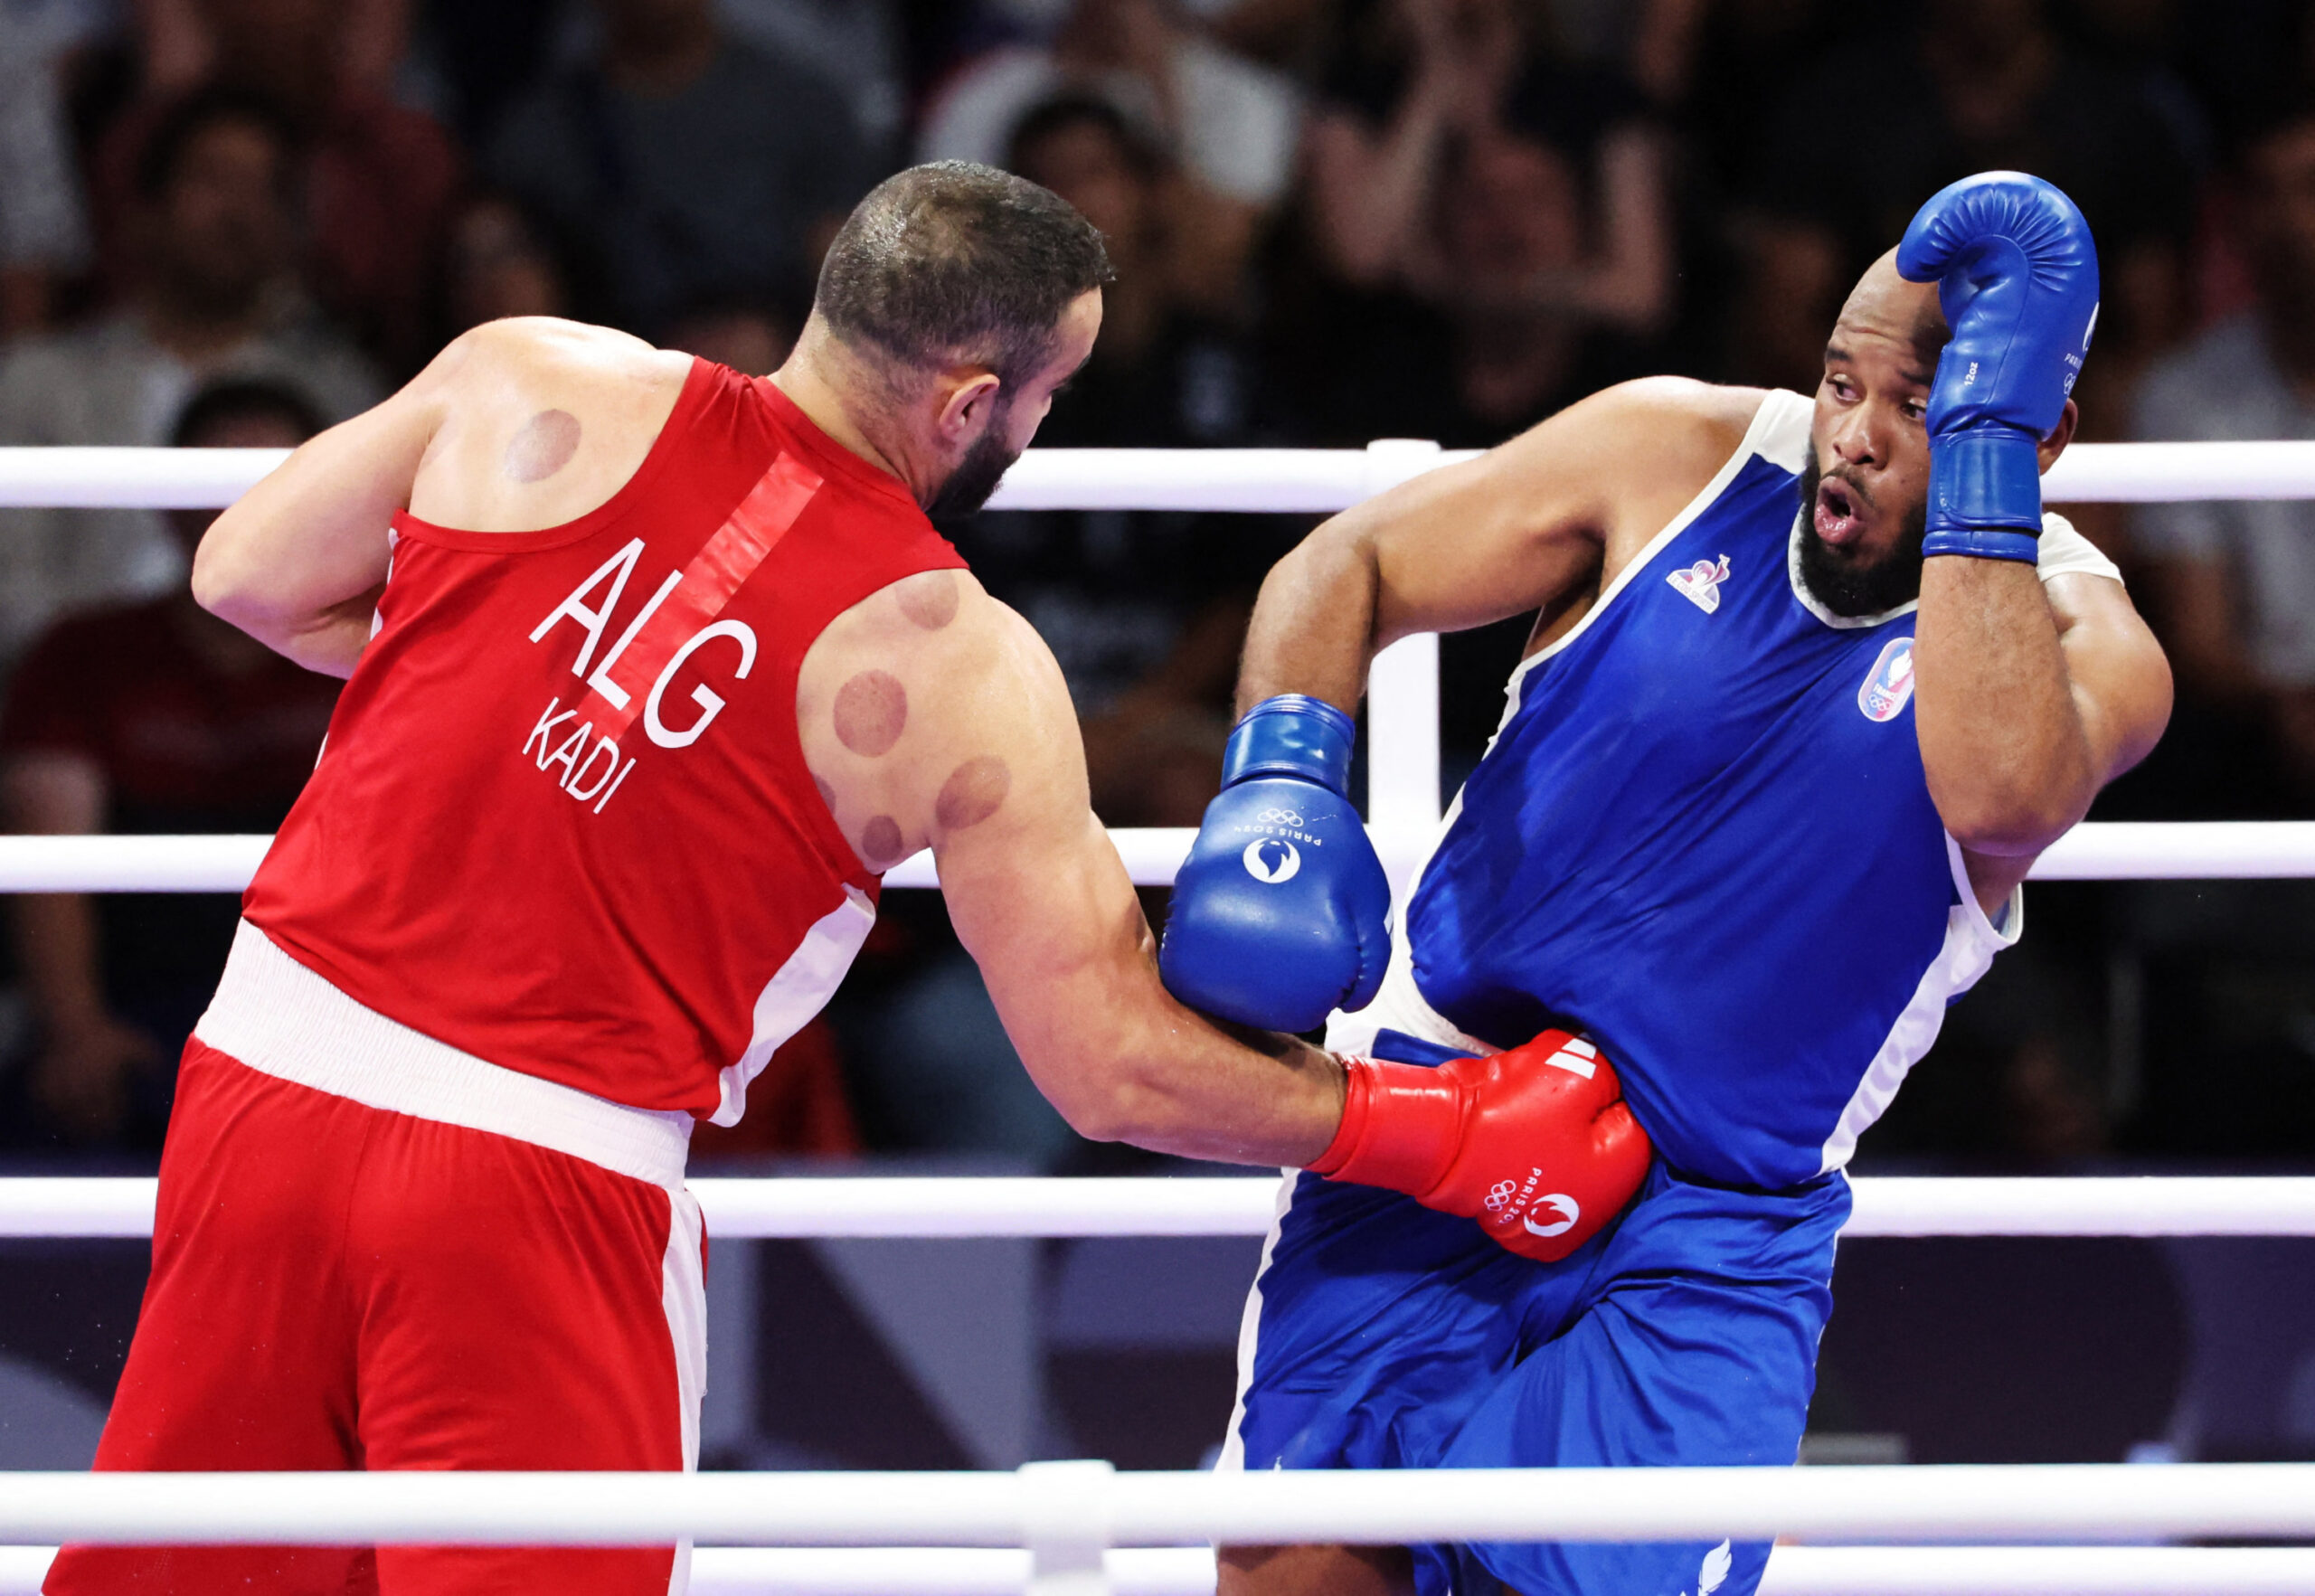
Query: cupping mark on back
(544,446)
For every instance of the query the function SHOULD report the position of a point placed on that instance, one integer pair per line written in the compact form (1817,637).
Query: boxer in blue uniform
(1811,684)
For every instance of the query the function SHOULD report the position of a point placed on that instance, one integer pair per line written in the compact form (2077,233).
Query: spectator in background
(1504,263)
(44,234)
(1973,85)
(153,717)
(374,181)
(2235,583)
(1229,126)
(689,162)
(215,293)
(1417,78)
(499,261)
(1489,236)
(745,332)
(855,44)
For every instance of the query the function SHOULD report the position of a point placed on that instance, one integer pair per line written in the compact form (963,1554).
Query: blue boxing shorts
(1381,1335)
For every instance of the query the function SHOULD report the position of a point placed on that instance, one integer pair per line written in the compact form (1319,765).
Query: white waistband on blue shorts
(281,1019)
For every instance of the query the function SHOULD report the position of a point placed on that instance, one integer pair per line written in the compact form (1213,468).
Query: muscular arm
(934,716)
(2028,698)
(517,425)
(1539,522)
(298,561)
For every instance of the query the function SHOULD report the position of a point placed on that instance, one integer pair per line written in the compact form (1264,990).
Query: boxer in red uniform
(653,670)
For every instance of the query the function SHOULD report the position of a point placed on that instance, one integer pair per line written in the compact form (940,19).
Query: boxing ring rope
(2112,851)
(1295,481)
(983,1206)
(1080,1509)
(1793,1571)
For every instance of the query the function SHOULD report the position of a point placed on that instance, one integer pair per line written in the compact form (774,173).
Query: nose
(1860,437)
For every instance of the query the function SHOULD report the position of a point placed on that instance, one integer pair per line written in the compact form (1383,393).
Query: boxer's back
(563,820)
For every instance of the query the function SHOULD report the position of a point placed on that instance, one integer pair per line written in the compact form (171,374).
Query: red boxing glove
(1535,1143)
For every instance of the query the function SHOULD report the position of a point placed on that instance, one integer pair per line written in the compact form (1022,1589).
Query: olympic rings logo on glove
(1499,1193)
(1278,817)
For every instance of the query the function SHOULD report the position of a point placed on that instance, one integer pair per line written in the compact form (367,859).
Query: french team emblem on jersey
(1890,687)
(1699,583)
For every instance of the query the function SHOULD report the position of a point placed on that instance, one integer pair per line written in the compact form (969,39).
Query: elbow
(221,580)
(1115,1105)
(1106,1114)
(2002,825)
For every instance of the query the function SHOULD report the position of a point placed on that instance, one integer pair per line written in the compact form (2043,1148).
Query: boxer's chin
(976,476)
(1843,578)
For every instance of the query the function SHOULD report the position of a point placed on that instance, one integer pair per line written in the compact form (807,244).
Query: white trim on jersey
(797,991)
(1971,939)
(1770,435)
(683,1294)
(1232,1458)
(281,1019)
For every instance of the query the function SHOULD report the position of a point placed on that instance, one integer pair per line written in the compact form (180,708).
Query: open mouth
(1840,513)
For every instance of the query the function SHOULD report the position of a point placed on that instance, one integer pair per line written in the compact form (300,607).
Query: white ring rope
(1184,1571)
(2100,850)
(1048,1506)
(982,1206)
(1280,480)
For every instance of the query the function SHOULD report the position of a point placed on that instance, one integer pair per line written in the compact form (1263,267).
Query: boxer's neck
(837,397)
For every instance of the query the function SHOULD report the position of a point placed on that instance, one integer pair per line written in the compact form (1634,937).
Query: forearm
(300,546)
(331,643)
(1313,626)
(1123,1061)
(2003,741)
(300,552)
(1197,1089)
(1072,967)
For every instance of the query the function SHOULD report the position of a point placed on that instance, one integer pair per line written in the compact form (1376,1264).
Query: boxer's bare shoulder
(1624,461)
(930,711)
(537,422)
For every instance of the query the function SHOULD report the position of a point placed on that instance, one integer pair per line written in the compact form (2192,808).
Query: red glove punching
(1535,1143)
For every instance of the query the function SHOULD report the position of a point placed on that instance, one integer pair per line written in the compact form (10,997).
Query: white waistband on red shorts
(281,1019)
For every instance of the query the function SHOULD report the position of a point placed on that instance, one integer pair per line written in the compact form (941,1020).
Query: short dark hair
(955,261)
(164,149)
(234,399)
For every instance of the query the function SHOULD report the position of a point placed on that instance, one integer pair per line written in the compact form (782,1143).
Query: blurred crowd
(231,223)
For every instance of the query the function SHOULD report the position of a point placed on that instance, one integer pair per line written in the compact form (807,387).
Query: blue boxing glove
(1280,913)
(2018,276)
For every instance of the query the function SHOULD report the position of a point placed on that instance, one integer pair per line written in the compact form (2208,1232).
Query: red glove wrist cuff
(1401,1127)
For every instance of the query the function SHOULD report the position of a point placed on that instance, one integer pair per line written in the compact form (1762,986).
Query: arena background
(1333,221)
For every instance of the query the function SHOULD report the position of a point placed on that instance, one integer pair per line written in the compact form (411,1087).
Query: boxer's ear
(970,400)
(2054,444)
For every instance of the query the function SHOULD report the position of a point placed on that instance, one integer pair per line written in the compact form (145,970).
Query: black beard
(976,476)
(1845,586)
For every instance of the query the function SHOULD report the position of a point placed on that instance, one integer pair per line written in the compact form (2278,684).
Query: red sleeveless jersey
(563,821)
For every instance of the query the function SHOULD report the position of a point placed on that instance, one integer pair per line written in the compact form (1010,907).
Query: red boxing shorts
(376,1252)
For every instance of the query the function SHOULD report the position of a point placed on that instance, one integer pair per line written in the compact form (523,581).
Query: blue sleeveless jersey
(1703,836)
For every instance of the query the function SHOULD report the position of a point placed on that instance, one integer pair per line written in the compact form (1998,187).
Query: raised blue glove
(2018,276)
(1280,913)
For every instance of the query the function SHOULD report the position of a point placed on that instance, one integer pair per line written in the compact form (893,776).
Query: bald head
(1885,306)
